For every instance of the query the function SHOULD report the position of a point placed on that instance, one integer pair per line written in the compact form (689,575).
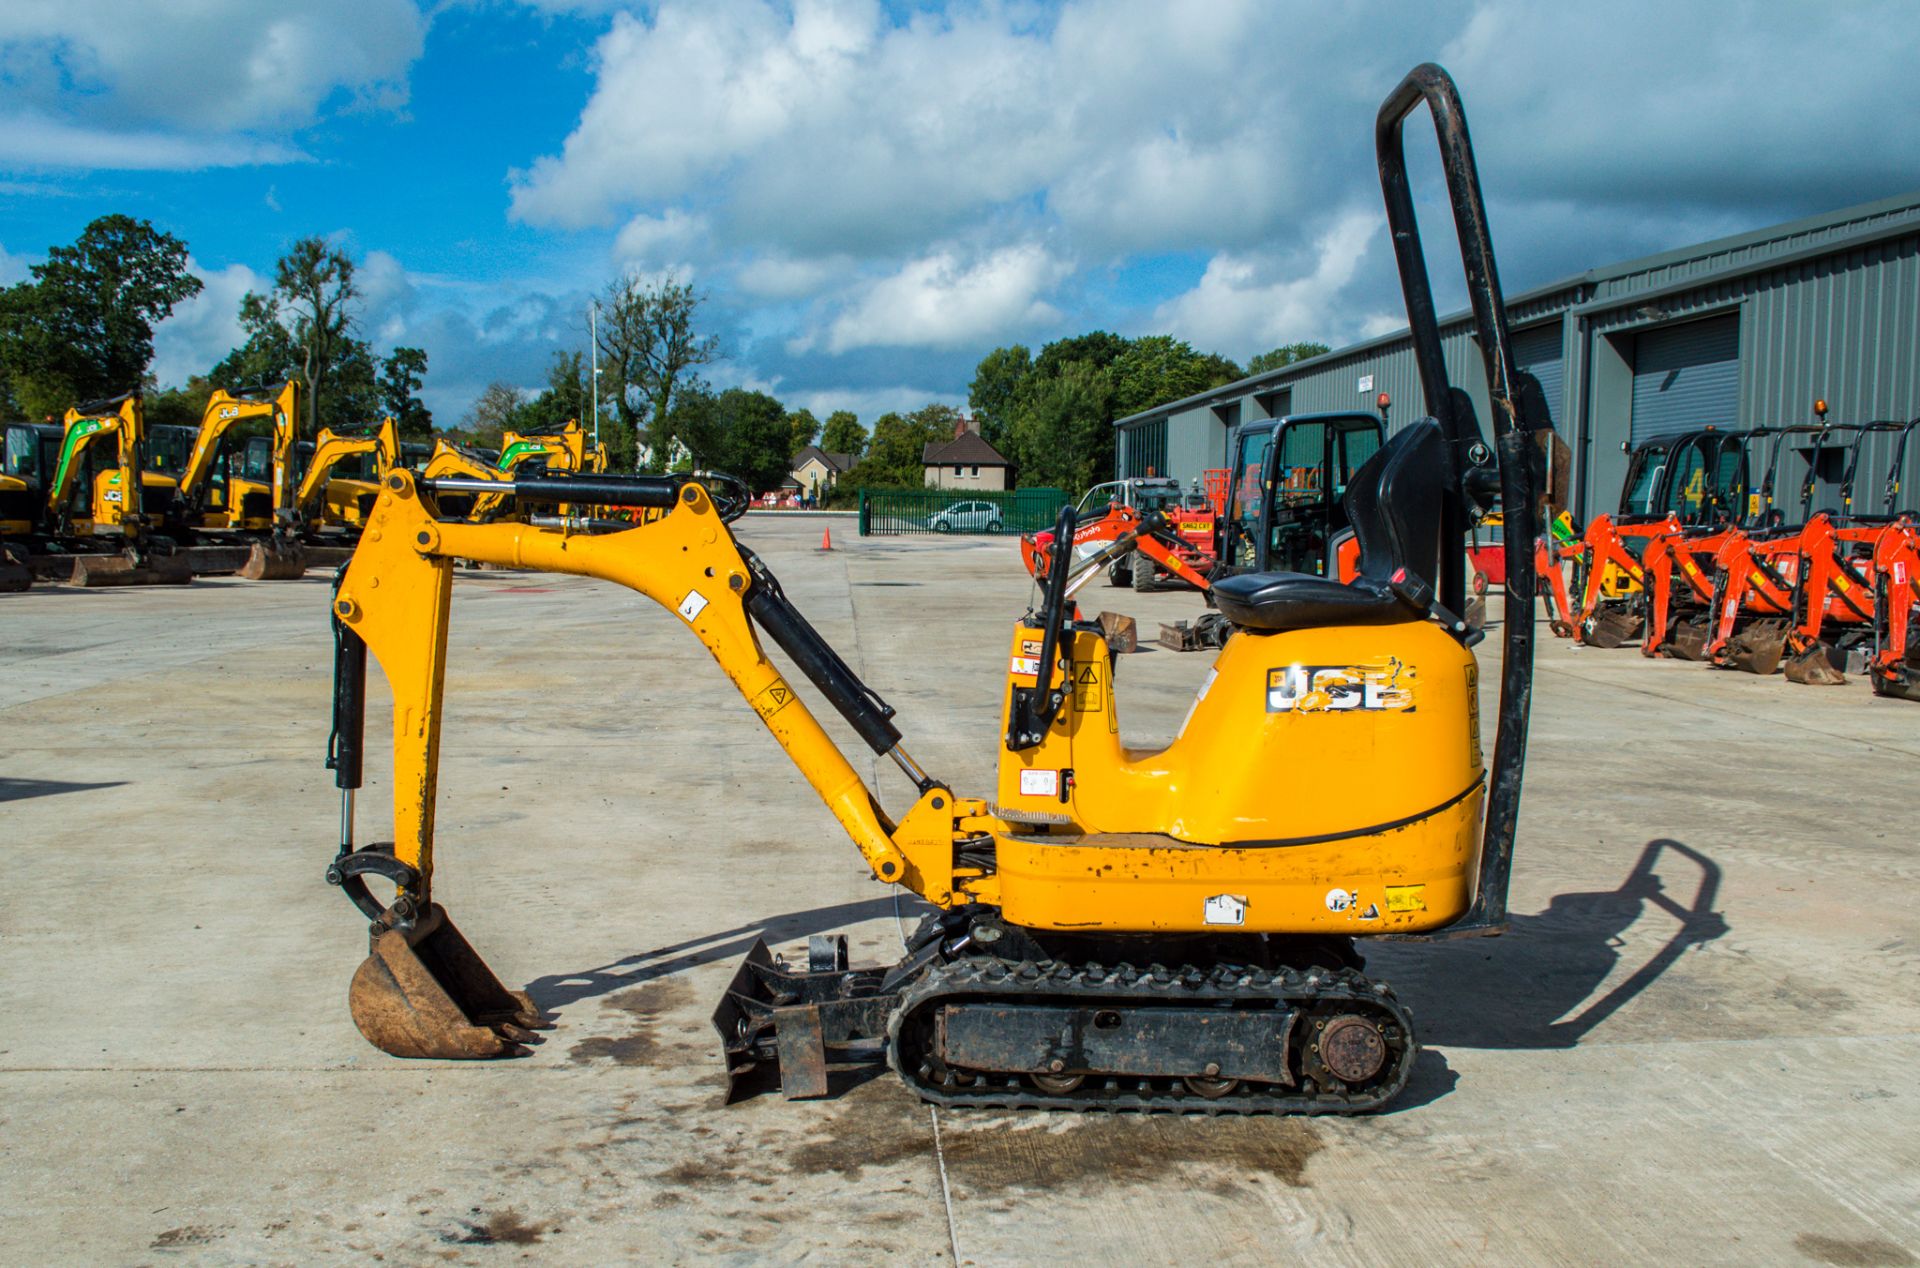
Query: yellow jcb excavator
(94,505)
(242,503)
(323,498)
(1113,929)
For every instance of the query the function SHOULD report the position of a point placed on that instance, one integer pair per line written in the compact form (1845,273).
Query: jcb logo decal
(1384,688)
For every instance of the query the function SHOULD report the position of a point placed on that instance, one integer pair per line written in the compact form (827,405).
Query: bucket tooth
(425,992)
(274,561)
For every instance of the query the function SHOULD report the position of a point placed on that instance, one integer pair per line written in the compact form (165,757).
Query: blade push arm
(397,591)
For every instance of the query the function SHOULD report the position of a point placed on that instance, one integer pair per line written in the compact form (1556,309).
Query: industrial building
(1740,332)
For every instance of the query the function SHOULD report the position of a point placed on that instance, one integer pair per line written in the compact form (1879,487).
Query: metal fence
(894,512)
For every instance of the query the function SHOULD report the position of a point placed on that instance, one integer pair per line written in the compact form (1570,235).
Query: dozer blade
(91,571)
(14,575)
(772,1017)
(1815,668)
(425,992)
(272,561)
(1758,648)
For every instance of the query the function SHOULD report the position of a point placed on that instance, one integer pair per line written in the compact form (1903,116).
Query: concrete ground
(1696,1045)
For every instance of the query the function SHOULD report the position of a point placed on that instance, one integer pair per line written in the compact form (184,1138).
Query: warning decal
(1087,695)
(776,697)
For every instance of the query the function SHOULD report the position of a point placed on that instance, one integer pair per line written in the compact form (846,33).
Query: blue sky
(872,196)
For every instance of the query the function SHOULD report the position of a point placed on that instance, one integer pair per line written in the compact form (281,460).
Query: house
(966,462)
(814,470)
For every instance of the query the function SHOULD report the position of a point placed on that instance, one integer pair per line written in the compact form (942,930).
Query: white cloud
(133,85)
(1245,304)
(779,277)
(831,128)
(13,268)
(940,301)
(34,140)
(648,241)
(204,328)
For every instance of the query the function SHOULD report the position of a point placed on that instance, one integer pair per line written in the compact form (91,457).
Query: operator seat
(1393,503)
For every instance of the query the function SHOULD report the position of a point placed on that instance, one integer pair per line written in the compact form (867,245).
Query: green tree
(806,428)
(1156,369)
(493,412)
(649,344)
(353,397)
(1099,349)
(267,356)
(1286,354)
(755,438)
(402,373)
(565,396)
(894,456)
(1064,435)
(82,328)
(844,434)
(994,393)
(313,290)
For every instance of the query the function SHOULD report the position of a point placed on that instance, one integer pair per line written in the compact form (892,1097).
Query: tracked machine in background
(1110,929)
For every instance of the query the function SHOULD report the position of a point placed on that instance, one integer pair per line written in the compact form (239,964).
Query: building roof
(1630,281)
(969,448)
(831,461)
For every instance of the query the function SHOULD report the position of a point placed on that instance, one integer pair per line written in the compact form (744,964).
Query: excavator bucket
(1688,641)
(274,561)
(14,575)
(122,569)
(1815,668)
(1615,629)
(1758,648)
(425,992)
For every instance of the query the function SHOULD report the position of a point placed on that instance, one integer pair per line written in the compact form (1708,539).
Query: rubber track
(1054,982)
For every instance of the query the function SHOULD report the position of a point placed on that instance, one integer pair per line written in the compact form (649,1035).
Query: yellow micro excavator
(87,494)
(1112,929)
(244,502)
(323,498)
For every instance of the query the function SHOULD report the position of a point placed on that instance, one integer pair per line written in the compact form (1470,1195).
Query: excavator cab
(1111,928)
(1287,505)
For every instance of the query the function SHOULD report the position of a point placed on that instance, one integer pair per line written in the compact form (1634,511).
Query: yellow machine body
(1326,781)
(1281,808)
(109,502)
(226,506)
(344,501)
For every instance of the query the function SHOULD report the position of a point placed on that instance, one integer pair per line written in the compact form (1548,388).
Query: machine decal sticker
(1029,647)
(1338,900)
(1087,696)
(776,697)
(1027,665)
(1473,712)
(1406,898)
(693,605)
(1224,909)
(1039,783)
(1384,688)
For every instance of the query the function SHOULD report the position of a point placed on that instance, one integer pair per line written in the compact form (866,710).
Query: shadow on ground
(1533,987)
(22,789)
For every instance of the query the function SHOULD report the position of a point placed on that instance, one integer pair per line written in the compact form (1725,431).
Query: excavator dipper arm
(423,991)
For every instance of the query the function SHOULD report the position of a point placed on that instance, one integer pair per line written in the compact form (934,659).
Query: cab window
(22,456)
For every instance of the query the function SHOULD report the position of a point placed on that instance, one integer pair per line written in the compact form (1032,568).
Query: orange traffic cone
(826,539)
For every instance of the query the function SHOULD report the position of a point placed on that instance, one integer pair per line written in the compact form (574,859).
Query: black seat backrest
(1394,502)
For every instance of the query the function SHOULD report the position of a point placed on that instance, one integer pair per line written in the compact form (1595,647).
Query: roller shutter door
(1536,350)
(1686,377)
